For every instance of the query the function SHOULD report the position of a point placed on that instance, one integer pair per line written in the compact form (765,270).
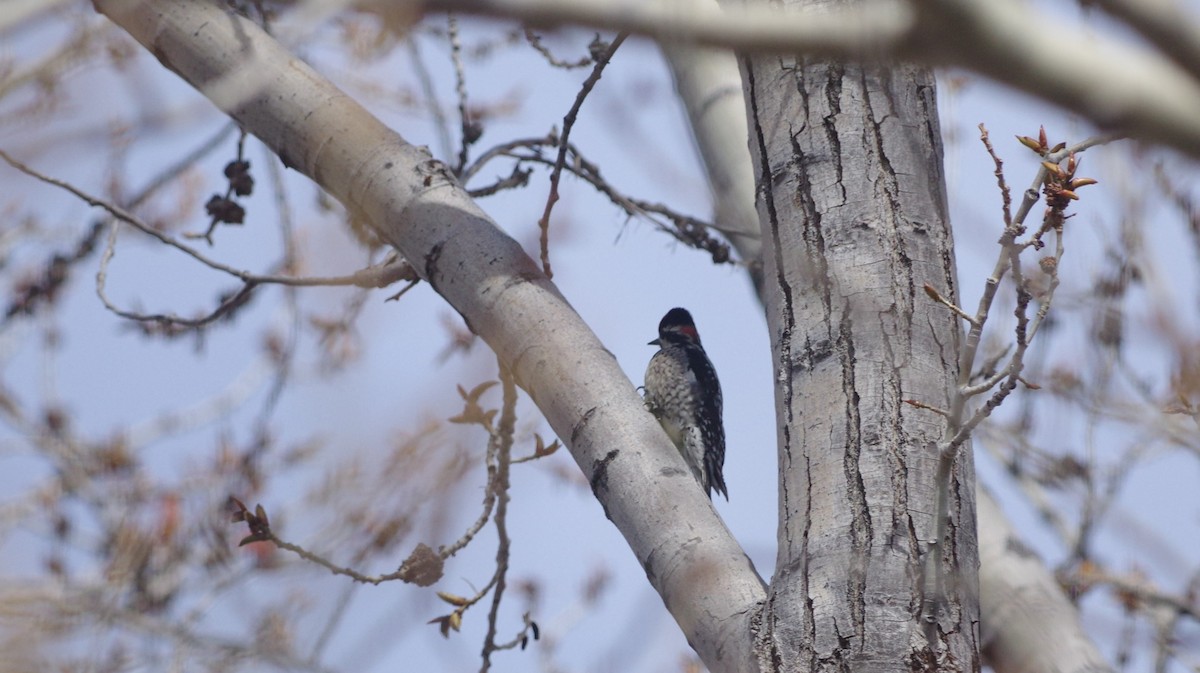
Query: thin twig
(1005,193)
(568,123)
(427,90)
(468,128)
(489,503)
(284,356)
(503,440)
(686,229)
(535,41)
(371,277)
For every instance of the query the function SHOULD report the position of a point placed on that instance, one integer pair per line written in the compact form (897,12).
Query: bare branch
(535,41)
(1165,24)
(372,277)
(502,441)
(469,129)
(568,123)
(431,102)
(1005,194)
(686,229)
(870,28)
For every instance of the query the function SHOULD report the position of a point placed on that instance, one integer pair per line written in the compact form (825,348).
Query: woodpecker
(683,392)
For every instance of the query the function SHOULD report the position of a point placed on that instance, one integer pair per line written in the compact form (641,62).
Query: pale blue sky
(620,275)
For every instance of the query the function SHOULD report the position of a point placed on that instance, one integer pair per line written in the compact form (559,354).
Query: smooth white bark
(710,87)
(703,576)
(1029,626)
(1121,86)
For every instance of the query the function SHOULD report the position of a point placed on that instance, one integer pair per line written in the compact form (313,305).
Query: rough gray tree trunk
(848,160)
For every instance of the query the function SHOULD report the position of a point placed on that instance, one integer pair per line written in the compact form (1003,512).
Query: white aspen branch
(414,202)
(710,86)
(15,12)
(1027,622)
(1165,24)
(1117,85)
(874,27)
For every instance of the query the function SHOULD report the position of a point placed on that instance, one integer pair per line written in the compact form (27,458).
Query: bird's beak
(656,342)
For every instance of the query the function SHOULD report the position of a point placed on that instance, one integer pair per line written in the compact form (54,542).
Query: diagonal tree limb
(1028,624)
(414,202)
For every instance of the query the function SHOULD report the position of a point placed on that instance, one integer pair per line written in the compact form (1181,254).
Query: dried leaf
(472,413)
(476,392)
(443,625)
(541,449)
(239,509)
